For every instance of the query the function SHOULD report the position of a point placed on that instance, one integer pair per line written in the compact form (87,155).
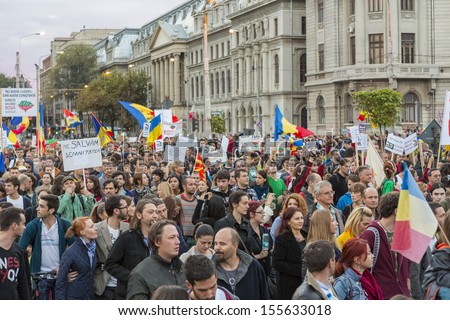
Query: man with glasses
(108,231)
(324,196)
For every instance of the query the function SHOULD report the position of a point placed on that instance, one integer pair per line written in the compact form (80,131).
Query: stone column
(177,83)
(171,79)
(154,89)
(248,71)
(265,69)
(241,73)
(166,77)
(161,80)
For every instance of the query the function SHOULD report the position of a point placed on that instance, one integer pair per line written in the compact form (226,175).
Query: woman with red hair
(353,278)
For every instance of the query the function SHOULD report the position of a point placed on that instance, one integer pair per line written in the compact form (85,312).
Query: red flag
(174,118)
(199,167)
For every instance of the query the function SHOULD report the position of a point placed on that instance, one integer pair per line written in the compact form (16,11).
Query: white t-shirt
(50,248)
(16,203)
(114,235)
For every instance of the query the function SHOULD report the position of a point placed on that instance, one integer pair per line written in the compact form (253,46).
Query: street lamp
(18,55)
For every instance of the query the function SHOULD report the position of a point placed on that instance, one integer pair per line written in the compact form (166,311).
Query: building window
(202,86)
(409,107)
(228,47)
(261,27)
(348,109)
(223,49)
(408,47)
(193,88)
(229,80)
(246,33)
(376,5)
(407,5)
(192,58)
(303,68)
(277,69)
(211,54)
(352,7)
(237,38)
(201,55)
(376,48)
(320,11)
(254,31)
(303,26)
(275,27)
(196,87)
(352,51)
(211,83)
(217,51)
(217,84)
(321,110)
(223,82)
(321,53)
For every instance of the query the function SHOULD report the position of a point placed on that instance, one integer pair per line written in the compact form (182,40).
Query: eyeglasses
(120,208)
(329,193)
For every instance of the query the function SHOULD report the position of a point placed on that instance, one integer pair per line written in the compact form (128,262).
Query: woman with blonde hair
(356,223)
(292,200)
(164,189)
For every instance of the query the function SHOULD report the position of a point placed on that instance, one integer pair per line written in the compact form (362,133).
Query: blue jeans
(444,293)
(47,289)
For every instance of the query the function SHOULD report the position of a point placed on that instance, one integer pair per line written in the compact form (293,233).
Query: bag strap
(376,246)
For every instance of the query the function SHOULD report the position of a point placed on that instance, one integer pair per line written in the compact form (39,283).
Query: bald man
(371,200)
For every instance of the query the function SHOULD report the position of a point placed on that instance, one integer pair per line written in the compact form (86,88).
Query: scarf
(370,286)
(91,246)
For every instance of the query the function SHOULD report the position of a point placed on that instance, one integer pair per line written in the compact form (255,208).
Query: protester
(204,235)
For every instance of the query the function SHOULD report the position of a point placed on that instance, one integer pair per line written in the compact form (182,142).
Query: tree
(6,82)
(218,124)
(103,93)
(382,107)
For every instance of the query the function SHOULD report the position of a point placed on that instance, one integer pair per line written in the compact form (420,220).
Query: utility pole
(207,116)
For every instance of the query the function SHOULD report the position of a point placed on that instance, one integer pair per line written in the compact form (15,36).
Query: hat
(347,140)
(67,178)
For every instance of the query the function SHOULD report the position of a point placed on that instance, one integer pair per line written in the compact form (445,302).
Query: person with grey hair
(323,192)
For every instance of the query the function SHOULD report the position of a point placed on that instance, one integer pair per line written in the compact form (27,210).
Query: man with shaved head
(238,271)
(371,200)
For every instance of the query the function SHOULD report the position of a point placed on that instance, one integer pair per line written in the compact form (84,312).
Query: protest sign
(146,129)
(81,153)
(395,144)
(159,145)
(19,102)
(250,143)
(354,133)
(362,142)
(411,143)
(311,145)
(172,129)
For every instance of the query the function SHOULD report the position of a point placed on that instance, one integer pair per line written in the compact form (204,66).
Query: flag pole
(439,155)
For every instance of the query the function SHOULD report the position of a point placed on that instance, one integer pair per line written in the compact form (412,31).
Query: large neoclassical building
(306,56)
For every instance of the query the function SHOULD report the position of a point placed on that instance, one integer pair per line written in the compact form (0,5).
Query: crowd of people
(306,225)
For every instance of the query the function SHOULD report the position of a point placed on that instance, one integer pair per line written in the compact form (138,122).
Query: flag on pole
(415,223)
(374,161)
(445,129)
(156,130)
(101,131)
(40,137)
(282,126)
(11,136)
(72,120)
(140,113)
(199,167)
(21,123)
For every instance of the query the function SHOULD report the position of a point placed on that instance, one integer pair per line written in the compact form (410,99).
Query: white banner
(445,130)
(411,143)
(81,153)
(395,144)
(19,102)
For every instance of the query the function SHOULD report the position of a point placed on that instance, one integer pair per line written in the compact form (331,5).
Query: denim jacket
(348,286)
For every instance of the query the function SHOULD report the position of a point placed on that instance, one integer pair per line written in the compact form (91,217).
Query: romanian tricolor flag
(40,137)
(140,113)
(362,115)
(21,123)
(11,136)
(282,126)
(72,120)
(103,133)
(156,130)
(415,223)
(199,167)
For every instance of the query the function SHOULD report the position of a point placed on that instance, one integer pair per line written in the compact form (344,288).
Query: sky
(59,18)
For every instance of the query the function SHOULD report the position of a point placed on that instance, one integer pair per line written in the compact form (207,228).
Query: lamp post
(18,55)
(207,124)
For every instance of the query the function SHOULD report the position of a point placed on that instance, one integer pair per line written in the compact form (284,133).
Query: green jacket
(74,207)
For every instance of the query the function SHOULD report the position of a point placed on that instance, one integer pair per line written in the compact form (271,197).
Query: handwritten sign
(81,153)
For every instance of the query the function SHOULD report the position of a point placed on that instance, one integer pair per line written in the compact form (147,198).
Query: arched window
(303,68)
(409,107)
(277,69)
(348,109)
(320,110)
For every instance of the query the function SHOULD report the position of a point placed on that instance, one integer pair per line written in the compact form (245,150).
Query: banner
(411,143)
(250,143)
(394,144)
(445,130)
(81,153)
(19,102)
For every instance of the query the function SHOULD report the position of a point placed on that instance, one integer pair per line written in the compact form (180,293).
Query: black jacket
(126,253)
(243,229)
(339,186)
(287,260)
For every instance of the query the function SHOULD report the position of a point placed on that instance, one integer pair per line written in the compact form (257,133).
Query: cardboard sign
(411,143)
(394,144)
(19,102)
(81,153)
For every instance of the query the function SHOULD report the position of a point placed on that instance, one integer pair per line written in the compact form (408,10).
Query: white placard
(81,153)
(395,144)
(19,102)
(224,145)
(172,129)
(166,115)
(146,129)
(362,142)
(159,145)
(170,153)
(411,143)
(445,130)
(354,133)
(182,153)
(132,139)
(311,145)
(183,139)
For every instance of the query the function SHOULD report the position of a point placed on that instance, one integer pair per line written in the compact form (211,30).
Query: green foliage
(74,69)
(7,82)
(102,95)
(382,106)
(218,124)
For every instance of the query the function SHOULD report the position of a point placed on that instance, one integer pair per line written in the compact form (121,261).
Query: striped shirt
(188,212)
